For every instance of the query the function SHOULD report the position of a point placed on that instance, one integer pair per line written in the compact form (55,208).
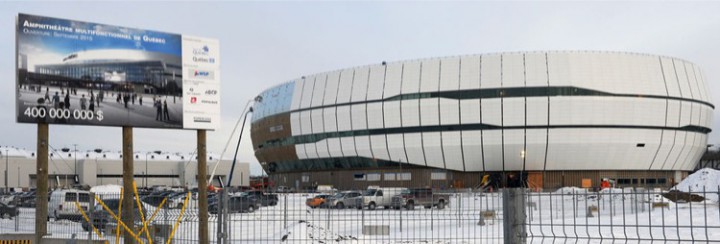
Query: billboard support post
(41,207)
(128,173)
(202,186)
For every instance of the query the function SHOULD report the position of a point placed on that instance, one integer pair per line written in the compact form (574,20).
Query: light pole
(7,162)
(145,180)
(75,158)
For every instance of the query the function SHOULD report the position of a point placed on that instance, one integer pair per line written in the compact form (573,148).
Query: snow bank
(106,190)
(707,179)
(571,190)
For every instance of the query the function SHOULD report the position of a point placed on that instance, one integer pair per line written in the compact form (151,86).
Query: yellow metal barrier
(153,215)
(177,222)
(142,216)
(119,221)
(90,222)
(117,229)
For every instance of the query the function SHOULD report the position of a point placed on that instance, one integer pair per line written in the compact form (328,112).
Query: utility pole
(202,187)
(128,174)
(41,208)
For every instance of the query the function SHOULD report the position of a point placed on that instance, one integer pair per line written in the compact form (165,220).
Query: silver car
(345,199)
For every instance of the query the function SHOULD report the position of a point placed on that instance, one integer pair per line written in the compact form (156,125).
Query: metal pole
(75,156)
(7,162)
(202,187)
(41,176)
(220,214)
(91,209)
(128,174)
(514,221)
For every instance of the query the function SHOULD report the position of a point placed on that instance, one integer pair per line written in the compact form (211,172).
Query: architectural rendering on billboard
(79,73)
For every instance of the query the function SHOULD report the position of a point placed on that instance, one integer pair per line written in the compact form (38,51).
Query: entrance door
(535,180)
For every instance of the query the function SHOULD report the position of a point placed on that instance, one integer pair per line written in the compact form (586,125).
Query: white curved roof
(118,55)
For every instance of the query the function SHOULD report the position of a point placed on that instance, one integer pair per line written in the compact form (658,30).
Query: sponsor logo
(204,60)
(202,55)
(208,102)
(202,74)
(203,51)
(193,100)
(211,92)
(202,119)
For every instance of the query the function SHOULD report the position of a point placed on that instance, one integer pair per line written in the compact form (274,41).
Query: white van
(380,196)
(62,204)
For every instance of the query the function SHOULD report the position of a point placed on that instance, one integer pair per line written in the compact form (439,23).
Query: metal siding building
(585,114)
(92,168)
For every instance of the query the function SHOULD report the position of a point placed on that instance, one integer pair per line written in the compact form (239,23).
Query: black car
(8,211)
(236,204)
(264,198)
(102,218)
(156,198)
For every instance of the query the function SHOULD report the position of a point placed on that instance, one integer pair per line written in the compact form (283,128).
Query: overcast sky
(264,44)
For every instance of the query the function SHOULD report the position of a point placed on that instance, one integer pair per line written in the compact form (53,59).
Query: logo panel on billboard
(80,73)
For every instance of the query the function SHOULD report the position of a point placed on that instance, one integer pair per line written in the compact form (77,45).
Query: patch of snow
(571,190)
(706,179)
(106,189)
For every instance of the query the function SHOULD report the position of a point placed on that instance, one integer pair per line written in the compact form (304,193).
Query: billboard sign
(80,73)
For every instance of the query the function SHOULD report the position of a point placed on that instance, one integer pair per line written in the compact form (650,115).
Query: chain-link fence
(387,215)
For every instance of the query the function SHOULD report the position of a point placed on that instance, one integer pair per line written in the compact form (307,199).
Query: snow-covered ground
(561,216)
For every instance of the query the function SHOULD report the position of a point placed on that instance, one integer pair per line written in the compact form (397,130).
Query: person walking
(158,115)
(165,111)
(92,102)
(56,100)
(83,102)
(47,97)
(67,100)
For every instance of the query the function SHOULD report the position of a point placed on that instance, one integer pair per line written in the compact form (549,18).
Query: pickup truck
(264,198)
(425,197)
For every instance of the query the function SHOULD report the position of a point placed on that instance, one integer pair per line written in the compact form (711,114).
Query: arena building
(136,70)
(561,118)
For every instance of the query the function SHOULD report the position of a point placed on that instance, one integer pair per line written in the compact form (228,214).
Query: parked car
(236,204)
(264,198)
(285,189)
(8,211)
(420,197)
(27,199)
(176,200)
(316,201)
(156,198)
(102,219)
(374,197)
(345,199)
(62,204)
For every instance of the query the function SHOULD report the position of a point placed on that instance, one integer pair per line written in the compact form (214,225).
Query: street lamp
(7,162)
(146,170)
(75,158)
